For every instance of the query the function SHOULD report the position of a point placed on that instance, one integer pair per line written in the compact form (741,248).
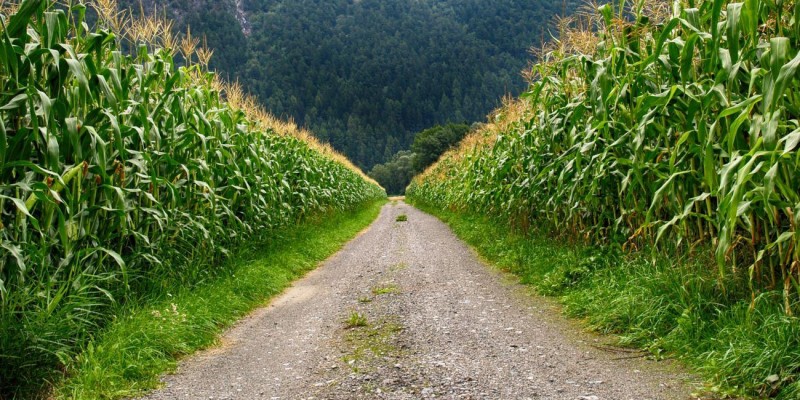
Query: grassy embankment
(141,344)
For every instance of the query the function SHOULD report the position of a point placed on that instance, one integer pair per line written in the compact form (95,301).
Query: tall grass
(122,174)
(653,125)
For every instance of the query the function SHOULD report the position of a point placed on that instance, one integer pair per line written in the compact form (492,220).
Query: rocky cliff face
(241,16)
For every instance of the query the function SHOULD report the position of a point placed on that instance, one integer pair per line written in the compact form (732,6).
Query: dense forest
(365,75)
(396,173)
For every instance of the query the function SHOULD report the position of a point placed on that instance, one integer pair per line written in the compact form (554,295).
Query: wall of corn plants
(650,122)
(121,173)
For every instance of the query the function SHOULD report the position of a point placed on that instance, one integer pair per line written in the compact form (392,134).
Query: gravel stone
(441,324)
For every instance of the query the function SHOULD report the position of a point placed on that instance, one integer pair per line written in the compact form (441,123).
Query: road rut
(439,324)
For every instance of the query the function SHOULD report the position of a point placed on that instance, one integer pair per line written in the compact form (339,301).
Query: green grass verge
(670,306)
(140,345)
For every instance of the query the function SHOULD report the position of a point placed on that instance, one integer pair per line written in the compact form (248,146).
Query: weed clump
(387,289)
(356,320)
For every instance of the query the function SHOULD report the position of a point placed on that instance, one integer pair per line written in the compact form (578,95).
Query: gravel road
(439,324)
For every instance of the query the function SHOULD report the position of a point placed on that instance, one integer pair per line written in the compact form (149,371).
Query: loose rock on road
(407,311)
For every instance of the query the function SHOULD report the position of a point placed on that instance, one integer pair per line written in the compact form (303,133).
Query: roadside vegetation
(142,343)
(650,177)
(124,176)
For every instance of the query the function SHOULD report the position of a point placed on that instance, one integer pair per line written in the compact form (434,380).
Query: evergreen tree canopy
(365,75)
(428,145)
(431,143)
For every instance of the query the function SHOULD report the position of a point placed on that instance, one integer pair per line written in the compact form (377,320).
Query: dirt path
(439,323)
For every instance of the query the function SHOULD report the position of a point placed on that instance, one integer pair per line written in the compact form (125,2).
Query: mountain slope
(365,75)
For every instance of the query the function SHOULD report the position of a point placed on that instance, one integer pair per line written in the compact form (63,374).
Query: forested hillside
(365,75)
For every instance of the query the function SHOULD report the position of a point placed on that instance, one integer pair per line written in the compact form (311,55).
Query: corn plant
(122,173)
(671,127)
(677,128)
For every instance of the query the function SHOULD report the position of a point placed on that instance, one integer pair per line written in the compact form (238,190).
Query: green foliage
(385,289)
(664,305)
(690,137)
(129,356)
(401,218)
(395,174)
(122,175)
(356,320)
(365,75)
(675,129)
(428,145)
(431,143)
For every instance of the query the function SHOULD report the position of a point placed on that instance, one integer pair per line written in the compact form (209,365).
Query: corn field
(653,123)
(121,172)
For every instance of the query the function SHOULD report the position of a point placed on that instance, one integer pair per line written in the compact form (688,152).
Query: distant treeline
(396,174)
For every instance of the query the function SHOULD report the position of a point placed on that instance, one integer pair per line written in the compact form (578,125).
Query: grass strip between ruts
(127,358)
(672,307)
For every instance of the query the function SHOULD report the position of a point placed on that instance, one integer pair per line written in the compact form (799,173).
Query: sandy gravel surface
(439,324)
